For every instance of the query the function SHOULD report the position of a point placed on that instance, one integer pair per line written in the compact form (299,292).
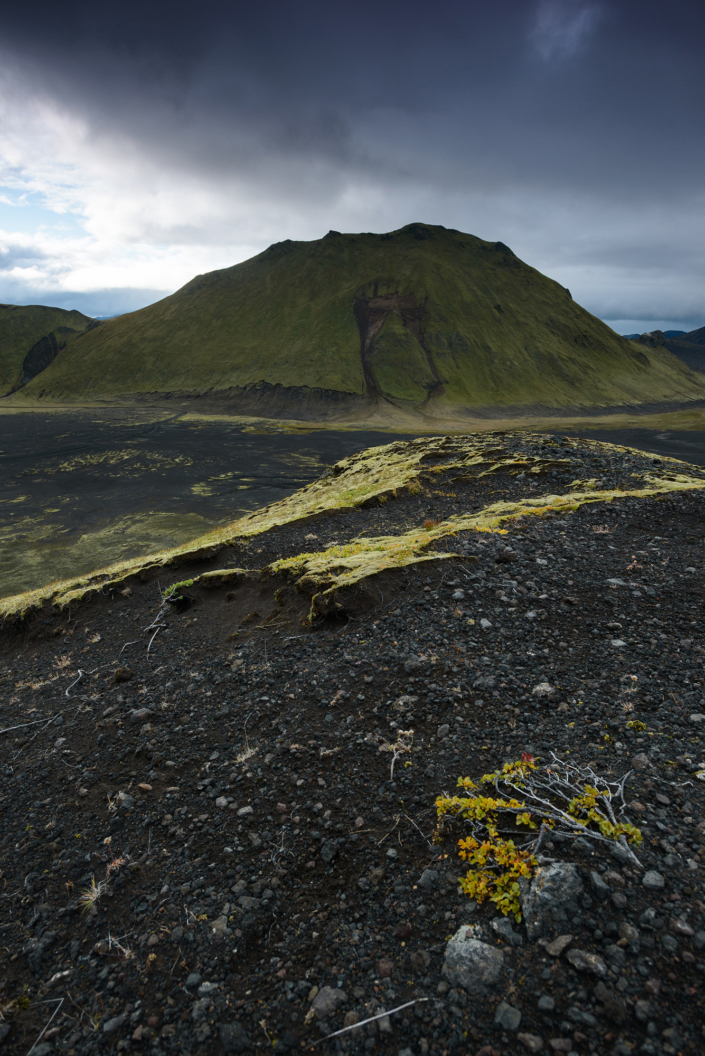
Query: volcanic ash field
(221,769)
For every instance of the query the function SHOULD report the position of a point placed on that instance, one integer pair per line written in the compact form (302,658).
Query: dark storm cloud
(594,94)
(596,104)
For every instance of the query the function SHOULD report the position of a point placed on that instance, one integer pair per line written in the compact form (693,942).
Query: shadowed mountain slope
(421,319)
(31,336)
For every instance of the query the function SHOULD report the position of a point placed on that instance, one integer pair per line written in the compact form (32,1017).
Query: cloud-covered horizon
(140,146)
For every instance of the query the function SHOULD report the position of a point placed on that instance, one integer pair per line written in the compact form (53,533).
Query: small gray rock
(329,849)
(507,1017)
(234,1037)
(620,853)
(328,1000)
(470,963)
(503,927)
(587,962)
(584,1019)
(598,887)
(532,1042)
(42,1049)
(429,878)
(670,944)
(546,1003)
(641,762)
(111,1025)
(653,881)
(699,940)
(247,902)
(443,730)
(643,1011)
(244,811)
(193,980)
(545,900)
(544,691)
(177,933)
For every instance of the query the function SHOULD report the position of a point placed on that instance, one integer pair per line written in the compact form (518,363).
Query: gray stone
(643,1011)
(470,963)
(127,801)
(584,1019)
(620,853)
(207,989)
(247,902)
(544,691)
(629,932)
(111,1025)
(244,811)
(558,946)
(641,762)
(443,730)
(177,933)
(329,849)
(598,887)
(532,1042)
(328,1000)
(507,1017)
(429,878)
(234,1037)
(545,900)
(42,1049)
(193,980)
(653,881)
(699,940)
(200,1009)
(546,1003)
(587,962)
(503,927)
(670,943)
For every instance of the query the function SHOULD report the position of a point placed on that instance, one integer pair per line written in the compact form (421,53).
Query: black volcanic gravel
(236,770)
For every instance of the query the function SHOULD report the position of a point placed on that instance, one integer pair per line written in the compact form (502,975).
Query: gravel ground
(263,881)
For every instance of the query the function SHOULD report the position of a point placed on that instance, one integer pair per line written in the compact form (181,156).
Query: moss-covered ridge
(376,476)
(421,320)
(327,574)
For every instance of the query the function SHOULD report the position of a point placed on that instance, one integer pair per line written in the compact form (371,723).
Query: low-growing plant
(173,593)
(91,894)
(636,724)
(401,746)
(559,796)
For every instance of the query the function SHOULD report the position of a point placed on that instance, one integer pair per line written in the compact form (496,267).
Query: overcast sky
(143,143)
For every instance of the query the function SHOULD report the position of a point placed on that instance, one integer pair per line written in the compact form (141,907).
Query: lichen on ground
(381,474)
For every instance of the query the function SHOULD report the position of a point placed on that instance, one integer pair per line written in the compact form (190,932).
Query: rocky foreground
(204,848)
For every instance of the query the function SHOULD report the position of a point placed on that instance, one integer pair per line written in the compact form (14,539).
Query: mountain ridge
(31,336)
(423,321)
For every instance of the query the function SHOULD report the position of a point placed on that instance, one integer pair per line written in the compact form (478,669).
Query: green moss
(371,476)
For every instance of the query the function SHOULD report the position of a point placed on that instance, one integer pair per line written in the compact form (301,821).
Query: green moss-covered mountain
(422,319)
(31,336)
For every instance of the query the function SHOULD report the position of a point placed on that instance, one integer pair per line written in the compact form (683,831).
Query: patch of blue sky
(28,213)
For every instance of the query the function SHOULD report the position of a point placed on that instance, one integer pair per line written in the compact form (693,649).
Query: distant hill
(689,347)
(422,319)
(666,333)
(31,336)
